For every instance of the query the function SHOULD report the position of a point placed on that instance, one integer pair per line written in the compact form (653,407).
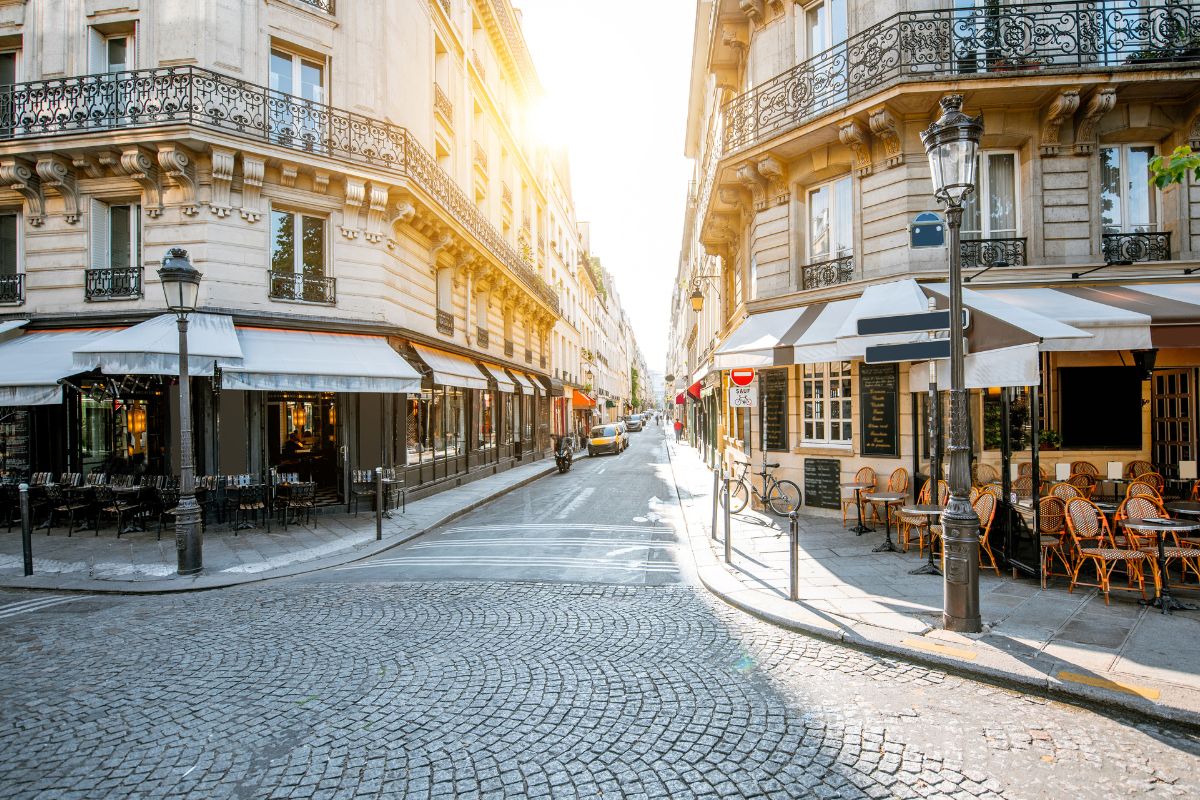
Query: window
(297,121)
(116,235)
(824,26)
(830,214)
(298,270)
(11,280)
(1128,204)
(821,28)
(1115,423)
(109,53)
(991,211)
(826,391)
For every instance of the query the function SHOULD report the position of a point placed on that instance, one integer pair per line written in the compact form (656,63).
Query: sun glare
(548,122)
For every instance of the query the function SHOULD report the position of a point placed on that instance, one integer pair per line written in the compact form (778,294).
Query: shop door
(302,439)
(1173,419)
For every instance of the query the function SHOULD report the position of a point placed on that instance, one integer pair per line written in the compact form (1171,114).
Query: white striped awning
(450,369)
(291,360)
(503,382)
(523,380)
(152,347)
(802,335)
(32,365)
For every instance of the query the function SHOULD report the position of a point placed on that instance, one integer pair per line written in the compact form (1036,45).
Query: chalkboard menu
(823,482)
(879,411)
(775,408)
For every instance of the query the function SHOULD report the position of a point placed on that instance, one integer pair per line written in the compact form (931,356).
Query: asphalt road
(551,644)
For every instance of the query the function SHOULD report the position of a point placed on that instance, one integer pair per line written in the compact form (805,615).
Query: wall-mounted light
(299,416)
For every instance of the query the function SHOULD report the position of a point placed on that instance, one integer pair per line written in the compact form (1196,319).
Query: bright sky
(616,75)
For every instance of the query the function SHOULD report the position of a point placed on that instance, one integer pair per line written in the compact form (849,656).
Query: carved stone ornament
(1102,102)
(287,175)
(772,169)
(89,164)
(749,176)
(854,136)
(885,128)
(376,209)
(222,181)
(138,165)
(1064,105)
(179,166)
(59,175)
(356,192)
(252,181)
(17,174)
(752,9)
(438,245)
(320,179)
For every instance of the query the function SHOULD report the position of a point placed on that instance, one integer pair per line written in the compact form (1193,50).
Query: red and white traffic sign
(743,376)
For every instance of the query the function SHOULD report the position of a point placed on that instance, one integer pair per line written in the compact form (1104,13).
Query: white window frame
(101,233)
(297,58)
(801,26)
(808,377)
(298,216)
(983,193)
(98,51)
(1124,225)
(809,257)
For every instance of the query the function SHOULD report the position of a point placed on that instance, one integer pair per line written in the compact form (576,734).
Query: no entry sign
(741,377)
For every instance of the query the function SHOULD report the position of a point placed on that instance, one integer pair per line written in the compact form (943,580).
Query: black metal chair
(167,498)
(300,498)
(362,487)
(70,500)
(252,502)
(123,507)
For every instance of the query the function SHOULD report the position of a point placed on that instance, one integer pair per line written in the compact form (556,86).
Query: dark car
(606,439)
(634,422)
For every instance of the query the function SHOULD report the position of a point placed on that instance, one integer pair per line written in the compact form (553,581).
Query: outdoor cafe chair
(864,475)
(1143,507)
(167,500)
(1085,468)
(985,474)
(943,493)
(63,500)
(1085,483)
(1144,489)
(897,482)
(1065,491)
(1154,479)
(905,523)
(985,508)
(362,486)
(250,501)
(935,531)
(1052,530)
(1136,469)
(1092,543)
(301,499)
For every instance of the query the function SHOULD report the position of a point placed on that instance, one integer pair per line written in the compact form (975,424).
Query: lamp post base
(960,535)
(189,539)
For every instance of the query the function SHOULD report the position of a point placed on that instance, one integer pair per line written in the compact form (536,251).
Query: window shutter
(98,219)
(97,52)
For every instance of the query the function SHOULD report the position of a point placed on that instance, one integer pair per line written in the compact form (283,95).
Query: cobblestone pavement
(370,683)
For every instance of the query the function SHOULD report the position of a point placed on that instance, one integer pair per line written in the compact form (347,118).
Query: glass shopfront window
(123,435)
(302,435)
(436,424)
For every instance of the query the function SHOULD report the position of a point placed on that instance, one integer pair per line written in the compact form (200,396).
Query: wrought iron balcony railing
(445,323)
(990,252)
(988,39)
(172,96)
(325,5)
(528,356)
(1118,247)
(12,290)
(123,283)
(508,348)
(481,337)
(302,288)
(828,273)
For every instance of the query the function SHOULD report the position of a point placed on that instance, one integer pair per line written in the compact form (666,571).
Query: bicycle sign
(743,396)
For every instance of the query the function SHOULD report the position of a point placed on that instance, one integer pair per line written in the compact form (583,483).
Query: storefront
(583,410)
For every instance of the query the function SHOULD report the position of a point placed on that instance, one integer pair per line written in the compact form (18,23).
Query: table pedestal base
(886,546)
(1166,603)
(928,568)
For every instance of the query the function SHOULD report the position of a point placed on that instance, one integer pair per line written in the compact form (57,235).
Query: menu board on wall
(775,408)
(879,410)
(823,482)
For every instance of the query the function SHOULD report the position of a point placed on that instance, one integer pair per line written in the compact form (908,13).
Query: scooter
(563,454)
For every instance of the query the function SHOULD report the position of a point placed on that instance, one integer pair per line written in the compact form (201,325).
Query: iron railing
(12,289)
(121,283)
(509,349)
(993,38)
(828,273)
(445,323)
(325,5)
(989,252)
(1153,246)
(302,288)
(171,96)
(528,356)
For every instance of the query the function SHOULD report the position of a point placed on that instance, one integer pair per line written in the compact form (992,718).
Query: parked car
(634,422)
(608,438)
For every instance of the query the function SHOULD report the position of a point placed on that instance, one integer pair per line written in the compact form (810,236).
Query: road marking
(36,604)
(1114,686)
(514,561)
(562,541)
(623,550)
(941,649)
(579,500)
(534,527)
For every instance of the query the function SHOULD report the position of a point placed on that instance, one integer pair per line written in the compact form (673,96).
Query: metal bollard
(716,495)
(794,587)
(728,528)
(379,504)
(26,529)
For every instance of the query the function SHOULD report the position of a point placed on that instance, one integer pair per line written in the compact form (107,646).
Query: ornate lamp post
(951,144)
(181,285)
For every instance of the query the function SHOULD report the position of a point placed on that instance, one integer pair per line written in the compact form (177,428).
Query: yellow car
(606,439)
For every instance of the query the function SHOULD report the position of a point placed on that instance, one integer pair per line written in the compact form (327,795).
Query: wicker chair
(985,474)
(906,522)
(1136,469)
(1064,491)
(985,509)
(1142,489)
(1086,484)
(1084,468)
(897,482)
(1154,479)
(1092,543)
(864,475)
(1023,486)
(1144,507)
(1053,529)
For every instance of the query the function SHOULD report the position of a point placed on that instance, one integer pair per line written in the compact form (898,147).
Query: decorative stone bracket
(178,164)
(137,164)
(222,181)
(853,135)
(356,191)
(1059,111)
(376,209)
(57,174)
(1100,104)
(884,126)
(252,181)
(772,169)
(18,174)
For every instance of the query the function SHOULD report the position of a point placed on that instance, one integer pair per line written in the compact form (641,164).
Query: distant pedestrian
(678,430)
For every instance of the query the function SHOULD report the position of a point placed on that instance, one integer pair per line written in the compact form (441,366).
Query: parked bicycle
(781,496)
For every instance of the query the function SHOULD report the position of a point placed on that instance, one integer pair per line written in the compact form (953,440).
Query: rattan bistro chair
(1084,468)
(1143,507)
(1086,484)
(1142,489)
(864,475)
(1051,537)
(1137,469)
(1092,543)
(1065,491)
(986,474)
(897,482)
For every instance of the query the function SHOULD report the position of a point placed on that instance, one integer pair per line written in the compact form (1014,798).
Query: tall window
(822,29)
(1128,203)
(110,52)
(826,392)
(991,211)
(298,258)
(10,285)
(830,214)
(297,121)
(116,235)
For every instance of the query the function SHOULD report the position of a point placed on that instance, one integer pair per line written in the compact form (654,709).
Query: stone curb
(718,579)
(219,581)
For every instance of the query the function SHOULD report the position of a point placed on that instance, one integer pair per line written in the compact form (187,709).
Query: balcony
(442,105)
(828,273)
(445,323)
(980,253)
(123,283)
(172,96)
(1118,248)
(327,6)
(299,288)
(481,337)
(994,40)
(12,290)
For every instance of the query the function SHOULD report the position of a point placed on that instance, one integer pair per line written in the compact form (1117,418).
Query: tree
(1166,170)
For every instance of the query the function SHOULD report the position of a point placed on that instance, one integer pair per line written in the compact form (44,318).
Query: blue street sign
(910,323)
(909,351)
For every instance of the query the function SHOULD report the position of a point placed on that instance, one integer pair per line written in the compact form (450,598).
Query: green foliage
(1166,170)
(1050,438)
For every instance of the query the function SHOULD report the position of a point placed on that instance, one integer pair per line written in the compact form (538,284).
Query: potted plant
(1049,439)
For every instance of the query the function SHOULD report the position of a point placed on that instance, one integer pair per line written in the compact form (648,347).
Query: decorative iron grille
(325,5)
(171,96)
(303,288)
(508,348)
(445,322)
(828,273)
(528,356)
(1136,246)
(12,290)
(984,40)
(986,252)
(481,337)
(542,361)
(442,104)
(113,284)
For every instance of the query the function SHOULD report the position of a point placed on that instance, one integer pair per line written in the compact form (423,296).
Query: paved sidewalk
(140,562)
(1067,644)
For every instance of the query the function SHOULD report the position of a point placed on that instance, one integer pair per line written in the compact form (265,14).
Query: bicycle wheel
(738,497)
(784,497)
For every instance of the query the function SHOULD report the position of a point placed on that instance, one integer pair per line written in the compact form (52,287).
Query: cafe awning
(307,361)
(680,399)
(803,335)
(694,391)
(581,400)
(554,387)
(523,380)
(11,328)
(451,370)
(503,382)
(152,347)
(32,365)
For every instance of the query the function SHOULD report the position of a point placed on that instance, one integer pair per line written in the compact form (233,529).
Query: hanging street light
(952,143)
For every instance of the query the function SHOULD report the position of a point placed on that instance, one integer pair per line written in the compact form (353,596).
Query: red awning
(679,399)
(694,390)
(581,400)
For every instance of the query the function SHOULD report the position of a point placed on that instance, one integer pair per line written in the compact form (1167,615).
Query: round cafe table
(1188,508)
(929,511)
(859,488)
(888,499)
(1158,528)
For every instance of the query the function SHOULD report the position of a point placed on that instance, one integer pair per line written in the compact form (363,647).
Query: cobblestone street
(395,681)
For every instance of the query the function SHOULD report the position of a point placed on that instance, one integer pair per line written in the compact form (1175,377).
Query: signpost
(743,376)
(927,321)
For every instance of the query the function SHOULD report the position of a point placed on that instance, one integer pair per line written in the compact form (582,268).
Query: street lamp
(697,296)
(181,286)
(951,144)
